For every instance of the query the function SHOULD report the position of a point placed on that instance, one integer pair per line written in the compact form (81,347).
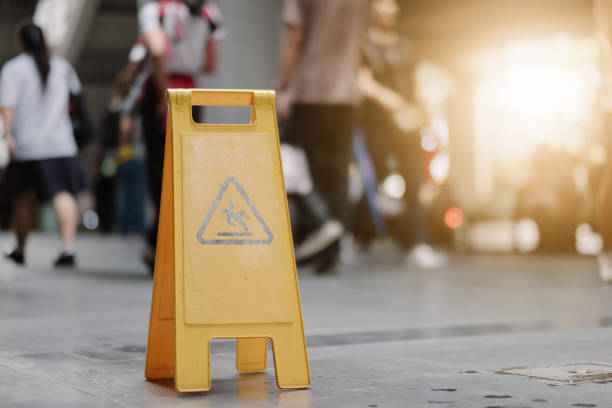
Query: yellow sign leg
(290,359)
(161,344)
(192,359)
(251,355)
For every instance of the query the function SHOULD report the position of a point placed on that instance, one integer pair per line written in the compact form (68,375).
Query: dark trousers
(131,183)
(154,135)
(324,131)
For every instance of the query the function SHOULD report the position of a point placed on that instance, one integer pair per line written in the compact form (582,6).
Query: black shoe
(16,256)
(64,260)
(326,262)
(149,260)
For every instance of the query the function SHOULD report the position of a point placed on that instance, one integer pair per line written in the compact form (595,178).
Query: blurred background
(511,157)
(473,231)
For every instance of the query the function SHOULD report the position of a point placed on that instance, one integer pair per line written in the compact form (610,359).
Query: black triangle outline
(246,198)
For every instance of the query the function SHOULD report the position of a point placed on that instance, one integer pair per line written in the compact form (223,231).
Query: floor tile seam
(459,331)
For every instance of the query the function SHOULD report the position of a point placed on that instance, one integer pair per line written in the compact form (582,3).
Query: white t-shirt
(41,123)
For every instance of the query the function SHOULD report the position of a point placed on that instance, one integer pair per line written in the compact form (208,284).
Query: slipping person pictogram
(214,228)
(231,215)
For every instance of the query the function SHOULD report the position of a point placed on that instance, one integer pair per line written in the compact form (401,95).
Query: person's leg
(604,220)
(327,131)
(137,196)
(328,231)
(24,210)
(66,210)
(154,135)
(407,148)
(122,193)
(329,151)
(20,178)
(604,203)
(155,165)
(131,189)
(374,224)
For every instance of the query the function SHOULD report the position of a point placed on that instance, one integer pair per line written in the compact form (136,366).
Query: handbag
(81,124)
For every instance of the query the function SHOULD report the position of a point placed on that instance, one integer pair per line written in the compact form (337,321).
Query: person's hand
(11,144)
(283,104)
(124,154)
(162,107)
(392,101)
(409,117)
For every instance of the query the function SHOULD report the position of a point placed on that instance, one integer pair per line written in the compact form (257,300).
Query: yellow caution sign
(224,266)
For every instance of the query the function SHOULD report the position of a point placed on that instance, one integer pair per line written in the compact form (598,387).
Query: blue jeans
(131,182)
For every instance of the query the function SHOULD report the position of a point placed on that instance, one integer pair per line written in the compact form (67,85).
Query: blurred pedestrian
(318,87)
(179,39)
(121,183)
(392,120)
(35,90)
(603,24)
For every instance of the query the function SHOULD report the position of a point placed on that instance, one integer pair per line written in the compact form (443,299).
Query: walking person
(179,40)
(35,90)
(391,119)
(318,88)
(603,27)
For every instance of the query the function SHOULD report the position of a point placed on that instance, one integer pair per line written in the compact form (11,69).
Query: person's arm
(134,77)
(212,14)
(291,47)
(290,50)
(212,55)
(132,69)
(7,119)
(372,89)
(155,41)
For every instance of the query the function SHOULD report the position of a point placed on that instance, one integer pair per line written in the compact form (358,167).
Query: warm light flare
(453,217)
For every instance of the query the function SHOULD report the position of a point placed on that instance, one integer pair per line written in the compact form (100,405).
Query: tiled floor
(380,334)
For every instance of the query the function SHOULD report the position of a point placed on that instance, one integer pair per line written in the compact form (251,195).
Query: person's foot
(327,234)
(65,260)
(148,257)
(424,256)
(353,252)
(327,262)
(16,256)
(604,260)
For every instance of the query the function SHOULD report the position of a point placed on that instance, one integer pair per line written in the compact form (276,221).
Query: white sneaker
(424,256)
(352,252)
(604,260)
(320,239)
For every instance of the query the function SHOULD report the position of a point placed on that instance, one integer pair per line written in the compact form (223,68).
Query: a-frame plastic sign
(224,266)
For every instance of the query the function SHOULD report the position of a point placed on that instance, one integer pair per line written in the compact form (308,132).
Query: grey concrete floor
(381,334)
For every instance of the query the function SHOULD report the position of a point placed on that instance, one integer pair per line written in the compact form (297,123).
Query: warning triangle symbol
(233,219)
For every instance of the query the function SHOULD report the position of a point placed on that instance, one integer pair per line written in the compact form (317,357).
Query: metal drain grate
(573,373)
